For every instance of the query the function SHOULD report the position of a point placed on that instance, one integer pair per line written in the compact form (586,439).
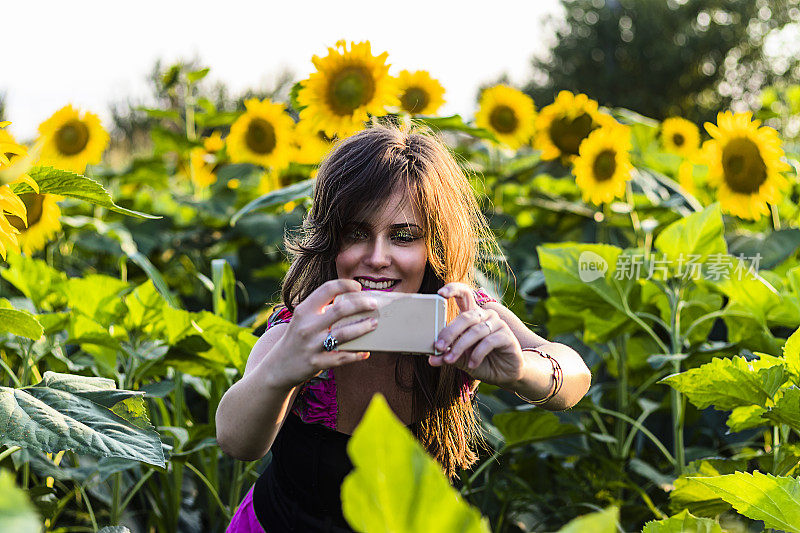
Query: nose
(377,255)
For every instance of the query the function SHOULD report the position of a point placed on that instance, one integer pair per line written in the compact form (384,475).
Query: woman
(391,211)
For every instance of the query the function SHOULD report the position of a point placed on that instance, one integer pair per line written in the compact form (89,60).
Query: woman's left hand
(478,341)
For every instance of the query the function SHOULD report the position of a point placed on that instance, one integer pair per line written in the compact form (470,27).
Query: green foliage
(64,183)
(728,383)
(395,485)
(682,522)
(531,425)
(601,522)
(775,500)
(700,234)
(18,322)
(16,512)
(65,412)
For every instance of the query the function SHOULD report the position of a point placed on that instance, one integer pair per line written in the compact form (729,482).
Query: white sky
(90,53)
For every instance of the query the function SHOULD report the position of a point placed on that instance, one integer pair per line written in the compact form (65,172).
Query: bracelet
(558,379)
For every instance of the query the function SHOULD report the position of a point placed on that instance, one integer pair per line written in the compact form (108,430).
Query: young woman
(392,211)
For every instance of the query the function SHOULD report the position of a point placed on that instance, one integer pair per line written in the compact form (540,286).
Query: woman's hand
(299,355)
(478,341)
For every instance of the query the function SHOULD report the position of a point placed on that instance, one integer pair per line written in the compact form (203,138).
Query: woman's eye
(405,236)
(356,235)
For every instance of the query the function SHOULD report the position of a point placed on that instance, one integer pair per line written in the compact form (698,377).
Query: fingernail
(373,303)
(373,322)
(364,355)
(440,344)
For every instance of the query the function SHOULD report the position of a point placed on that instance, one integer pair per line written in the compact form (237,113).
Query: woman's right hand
(299,354)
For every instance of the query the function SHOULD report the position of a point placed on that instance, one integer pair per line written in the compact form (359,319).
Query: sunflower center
(34,204)
(678,140)
(604,165)
(503,119)
(567,134)
(743,166)
(415,99)
(260,136)
(72,137)
(350,88)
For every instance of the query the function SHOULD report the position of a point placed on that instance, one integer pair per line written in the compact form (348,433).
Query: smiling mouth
(372,285)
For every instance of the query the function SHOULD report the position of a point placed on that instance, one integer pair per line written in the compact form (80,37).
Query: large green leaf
(19,322)
(395,486)
(747,292)
(699,499)
(775,500)
(456,123)
(35,279)
(65,183)
(531,425)
(791,352)
(16,512)
(773,247)
(604,521)
(698,234)
(786,409)
(746,417)
(682,522)
(84,414)
(290,193)
(728,383)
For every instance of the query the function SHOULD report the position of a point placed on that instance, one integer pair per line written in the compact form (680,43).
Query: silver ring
(330,343)
(488,326)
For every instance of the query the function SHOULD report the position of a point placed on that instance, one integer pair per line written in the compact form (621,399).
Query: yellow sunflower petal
(564,124)
(508,113)
(262,135)
(72,139)
(603,165)
(745,163)
(40,223)
(419,93)
(348,86)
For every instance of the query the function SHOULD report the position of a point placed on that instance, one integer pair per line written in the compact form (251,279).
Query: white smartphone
(407,322)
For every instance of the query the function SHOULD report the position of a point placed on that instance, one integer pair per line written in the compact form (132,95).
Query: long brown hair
(359,174)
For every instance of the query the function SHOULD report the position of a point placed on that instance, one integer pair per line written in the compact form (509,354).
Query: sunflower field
(666,253)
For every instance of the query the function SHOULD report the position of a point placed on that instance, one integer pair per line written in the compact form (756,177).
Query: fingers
(484,348)
(325,360)
(463,294)
(467,341)
(326,292)
(345,307)
(354,330)
(459,325)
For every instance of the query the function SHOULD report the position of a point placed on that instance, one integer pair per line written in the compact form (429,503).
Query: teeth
(375,285)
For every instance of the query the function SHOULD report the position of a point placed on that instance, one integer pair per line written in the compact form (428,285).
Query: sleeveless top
(300,489)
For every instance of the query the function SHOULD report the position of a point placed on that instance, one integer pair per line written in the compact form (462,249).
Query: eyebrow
(393,226)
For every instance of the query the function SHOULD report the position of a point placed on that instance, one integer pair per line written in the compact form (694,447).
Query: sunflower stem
(635,222)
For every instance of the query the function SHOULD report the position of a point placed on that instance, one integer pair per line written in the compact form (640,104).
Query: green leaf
(296,191)
(698,234)
(35,279)
(773,247)
(20,323)
(395,486)
(96,296)
(791,352)
(16,512)
(683,522)
(786,409)
(604,521)
(728,383)
(197,75)
(66,412)
(746,417)
(65,183)
(224,297)
(699,499)
(749,293)
(775,500)
(531,425)
(455,123)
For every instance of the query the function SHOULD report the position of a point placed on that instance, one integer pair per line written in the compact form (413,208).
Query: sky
(92,53)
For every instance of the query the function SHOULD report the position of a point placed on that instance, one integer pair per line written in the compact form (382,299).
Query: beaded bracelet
(558,378)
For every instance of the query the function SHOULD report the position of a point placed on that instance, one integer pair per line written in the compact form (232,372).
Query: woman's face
(386,252)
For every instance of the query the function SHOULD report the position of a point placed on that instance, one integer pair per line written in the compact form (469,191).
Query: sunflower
(419,93)
(347,85)
(508,113)
(214,142)
(262,135)
(14,163)
(41,221)
(680,137)
(72,139)
(603,165)
(310,144)
(744,164)
(201,168)
(564,124)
